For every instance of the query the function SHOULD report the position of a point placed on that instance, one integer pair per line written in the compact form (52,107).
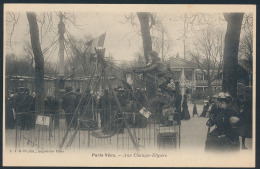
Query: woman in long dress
(225,136)
(185,110)
(194,112)
(205,109)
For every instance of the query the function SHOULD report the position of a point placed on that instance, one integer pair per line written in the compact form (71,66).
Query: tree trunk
(210,90)
(232,37)
(39,62)
(147,45)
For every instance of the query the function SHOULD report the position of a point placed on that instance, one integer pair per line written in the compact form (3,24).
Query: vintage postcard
(123,85)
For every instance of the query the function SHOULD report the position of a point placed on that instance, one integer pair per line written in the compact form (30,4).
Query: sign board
(145,113)
(170,118)
(129,79)
(43,120)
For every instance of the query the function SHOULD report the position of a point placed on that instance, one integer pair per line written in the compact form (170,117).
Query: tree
(208,54)
(17,66)
(145,18)
(246,43)
(28,54)
(246,52)
(39,62)
(194,23)
(232,38)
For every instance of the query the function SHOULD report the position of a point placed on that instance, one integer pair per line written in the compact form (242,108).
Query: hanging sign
(145,113)
(129,79)
(43,120)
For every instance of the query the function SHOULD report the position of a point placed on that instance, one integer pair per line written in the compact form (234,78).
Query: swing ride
(121,116)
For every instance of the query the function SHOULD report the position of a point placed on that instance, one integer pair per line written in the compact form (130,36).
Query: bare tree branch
(14,20)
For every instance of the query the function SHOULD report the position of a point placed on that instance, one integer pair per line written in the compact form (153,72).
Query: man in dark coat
(78,95)
(52,109)
(69,105)
(86,105)
(9,111)
(25,107)
(107,105)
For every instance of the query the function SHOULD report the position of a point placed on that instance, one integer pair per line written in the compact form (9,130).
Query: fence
(96,131)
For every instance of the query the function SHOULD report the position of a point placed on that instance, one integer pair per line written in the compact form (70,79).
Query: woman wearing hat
(225,136)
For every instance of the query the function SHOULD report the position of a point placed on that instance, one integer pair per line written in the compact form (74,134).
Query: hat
(224,96)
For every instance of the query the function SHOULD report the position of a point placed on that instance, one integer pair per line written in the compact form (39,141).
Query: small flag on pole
(101,40)
(96,43)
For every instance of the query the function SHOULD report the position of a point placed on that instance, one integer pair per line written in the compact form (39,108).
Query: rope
(54,48)
(46,49)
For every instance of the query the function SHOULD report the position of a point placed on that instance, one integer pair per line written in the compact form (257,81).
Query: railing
(94,130)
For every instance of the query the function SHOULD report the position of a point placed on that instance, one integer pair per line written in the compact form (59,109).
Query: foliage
(19,65)
(246,51)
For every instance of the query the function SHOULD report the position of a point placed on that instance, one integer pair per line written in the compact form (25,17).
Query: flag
(96,43)
(101,40)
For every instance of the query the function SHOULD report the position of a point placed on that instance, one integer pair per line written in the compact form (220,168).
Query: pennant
(96,43)
(101,40)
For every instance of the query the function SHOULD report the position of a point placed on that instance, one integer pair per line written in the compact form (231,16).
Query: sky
(122,40)
(96,22)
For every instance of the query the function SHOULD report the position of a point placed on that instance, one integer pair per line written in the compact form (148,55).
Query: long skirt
(203,114)
(224,144)
(246,130)
(185,114)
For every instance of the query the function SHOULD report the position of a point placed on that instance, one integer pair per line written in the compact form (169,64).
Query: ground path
(193,132)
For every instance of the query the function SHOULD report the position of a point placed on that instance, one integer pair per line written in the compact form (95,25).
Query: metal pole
(184,30)
(120,108)
(61,27)
(74,115)
(88,137)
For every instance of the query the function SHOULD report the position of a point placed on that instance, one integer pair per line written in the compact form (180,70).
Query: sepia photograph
(124,85)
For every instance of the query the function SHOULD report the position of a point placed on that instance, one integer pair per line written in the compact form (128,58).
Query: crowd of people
(103,109)
(20,108)
(111,109)
(224,125)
